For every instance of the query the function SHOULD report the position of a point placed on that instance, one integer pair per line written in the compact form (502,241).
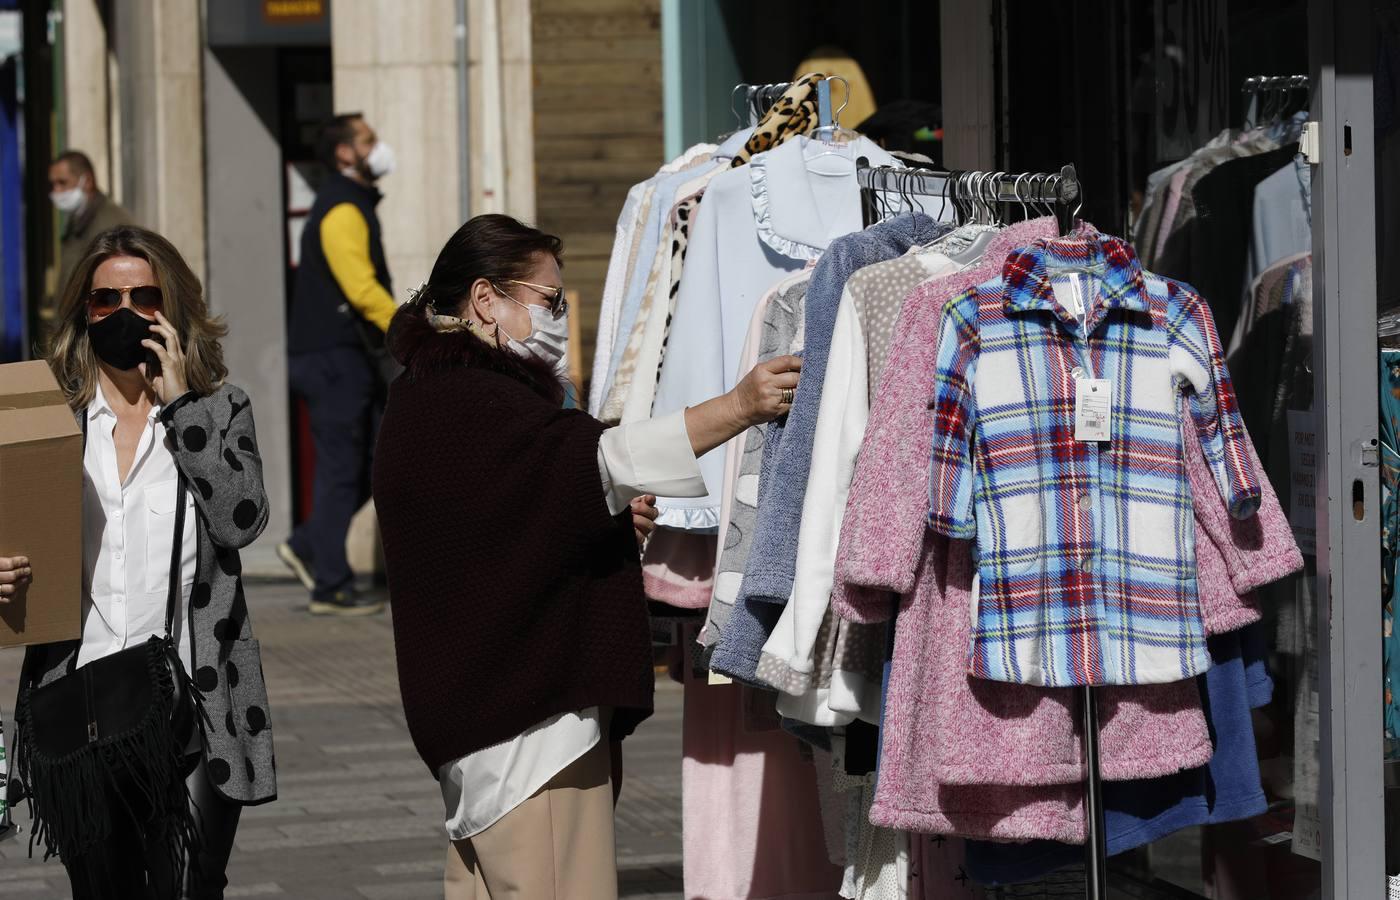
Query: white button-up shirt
(128,535)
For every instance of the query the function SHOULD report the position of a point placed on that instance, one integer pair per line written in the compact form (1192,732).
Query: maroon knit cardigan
(516,596)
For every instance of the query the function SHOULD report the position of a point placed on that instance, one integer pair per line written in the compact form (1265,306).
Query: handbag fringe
(74,799)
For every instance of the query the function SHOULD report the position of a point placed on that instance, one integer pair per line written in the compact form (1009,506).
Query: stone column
(85,89)
(396,63)
(161,98)
(500,47)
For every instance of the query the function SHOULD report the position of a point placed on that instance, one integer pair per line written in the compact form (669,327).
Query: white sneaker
(294,562)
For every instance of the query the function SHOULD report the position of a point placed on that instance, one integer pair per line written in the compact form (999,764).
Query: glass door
(1252,150)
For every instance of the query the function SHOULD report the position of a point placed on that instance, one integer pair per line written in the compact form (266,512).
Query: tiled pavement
(358,815)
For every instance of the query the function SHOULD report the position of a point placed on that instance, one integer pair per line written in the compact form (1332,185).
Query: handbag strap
(176,554)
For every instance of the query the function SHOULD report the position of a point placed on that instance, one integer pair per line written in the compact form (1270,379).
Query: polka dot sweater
(215,444)
(516,595)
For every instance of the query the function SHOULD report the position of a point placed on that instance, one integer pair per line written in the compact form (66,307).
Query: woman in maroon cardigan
(511,528)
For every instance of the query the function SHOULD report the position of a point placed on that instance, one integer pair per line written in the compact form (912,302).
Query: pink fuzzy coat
(987,759)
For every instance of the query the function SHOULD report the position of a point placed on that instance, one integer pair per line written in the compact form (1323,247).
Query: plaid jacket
(1086,553)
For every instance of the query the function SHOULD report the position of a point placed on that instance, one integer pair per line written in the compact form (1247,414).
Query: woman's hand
(14,574)
(768,390)
(170,384)
(764,394)
(643,518)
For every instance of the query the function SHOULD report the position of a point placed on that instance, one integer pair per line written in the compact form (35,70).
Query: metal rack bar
(1258,83)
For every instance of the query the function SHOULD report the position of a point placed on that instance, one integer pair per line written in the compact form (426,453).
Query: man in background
(89,212)
(341,306)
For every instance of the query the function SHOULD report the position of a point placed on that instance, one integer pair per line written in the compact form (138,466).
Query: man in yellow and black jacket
(341,306)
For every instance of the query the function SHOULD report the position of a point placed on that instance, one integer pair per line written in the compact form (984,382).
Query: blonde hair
(69,352)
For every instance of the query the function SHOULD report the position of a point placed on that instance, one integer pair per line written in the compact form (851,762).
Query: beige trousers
(558,845)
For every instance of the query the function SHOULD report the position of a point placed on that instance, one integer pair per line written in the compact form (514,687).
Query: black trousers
(126,869)
(345,398)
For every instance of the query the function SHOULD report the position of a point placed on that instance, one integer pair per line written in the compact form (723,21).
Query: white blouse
(651,457)
(128,536)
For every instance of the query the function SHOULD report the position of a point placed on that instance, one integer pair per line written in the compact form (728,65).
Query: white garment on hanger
(641,393)
(757,223)
(621,266)
(610,306)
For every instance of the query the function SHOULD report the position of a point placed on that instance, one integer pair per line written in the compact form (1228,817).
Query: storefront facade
(1123,91)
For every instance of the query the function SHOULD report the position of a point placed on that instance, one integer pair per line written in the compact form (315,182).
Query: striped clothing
(1086,550)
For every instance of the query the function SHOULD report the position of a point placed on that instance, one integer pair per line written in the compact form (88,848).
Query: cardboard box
(41,505)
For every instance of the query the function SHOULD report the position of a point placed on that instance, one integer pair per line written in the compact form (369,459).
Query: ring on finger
(787,395)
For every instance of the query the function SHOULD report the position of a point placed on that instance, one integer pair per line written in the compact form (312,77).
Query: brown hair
(79,163)
(338,130)
(71,355)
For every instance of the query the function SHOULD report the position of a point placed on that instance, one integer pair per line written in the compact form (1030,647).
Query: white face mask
(547,341)
(69,201)
(379,162)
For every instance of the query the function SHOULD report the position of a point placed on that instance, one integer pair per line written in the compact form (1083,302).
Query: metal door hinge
(1310,143)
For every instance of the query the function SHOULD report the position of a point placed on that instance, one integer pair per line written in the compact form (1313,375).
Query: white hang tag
(1093,409)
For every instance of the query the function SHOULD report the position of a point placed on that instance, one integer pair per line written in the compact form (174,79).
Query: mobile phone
(152,364)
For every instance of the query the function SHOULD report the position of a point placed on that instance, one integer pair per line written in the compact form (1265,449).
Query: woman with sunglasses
(137,354)
(511,529)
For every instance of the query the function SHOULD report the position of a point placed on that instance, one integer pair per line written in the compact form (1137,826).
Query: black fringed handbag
(108,740)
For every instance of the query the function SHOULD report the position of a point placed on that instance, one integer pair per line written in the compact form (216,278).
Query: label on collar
(1093,409)
(1069,291)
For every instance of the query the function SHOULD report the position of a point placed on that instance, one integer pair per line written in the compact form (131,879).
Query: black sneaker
(298,565)
(346,602)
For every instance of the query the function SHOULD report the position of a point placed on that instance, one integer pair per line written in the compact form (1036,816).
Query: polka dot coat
(216,449)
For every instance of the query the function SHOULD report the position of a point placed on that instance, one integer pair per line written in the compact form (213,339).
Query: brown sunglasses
(557,304)
(146,299)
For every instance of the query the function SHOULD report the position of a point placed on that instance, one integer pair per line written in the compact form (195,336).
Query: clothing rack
(1258,84)
(1275,88)
(1061,193)
(758,98)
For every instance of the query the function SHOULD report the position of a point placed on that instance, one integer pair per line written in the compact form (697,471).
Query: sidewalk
(358,815)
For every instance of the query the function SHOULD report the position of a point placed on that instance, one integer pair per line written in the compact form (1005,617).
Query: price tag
(1093,409)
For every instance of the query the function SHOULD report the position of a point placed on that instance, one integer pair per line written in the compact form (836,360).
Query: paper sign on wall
(1302,483)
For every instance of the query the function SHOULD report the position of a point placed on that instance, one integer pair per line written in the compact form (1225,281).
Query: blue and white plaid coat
(1086,550)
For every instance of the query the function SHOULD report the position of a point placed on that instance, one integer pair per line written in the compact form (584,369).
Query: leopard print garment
(681,218)
(795,113)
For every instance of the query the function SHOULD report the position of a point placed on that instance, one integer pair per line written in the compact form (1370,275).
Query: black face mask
(117,339)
